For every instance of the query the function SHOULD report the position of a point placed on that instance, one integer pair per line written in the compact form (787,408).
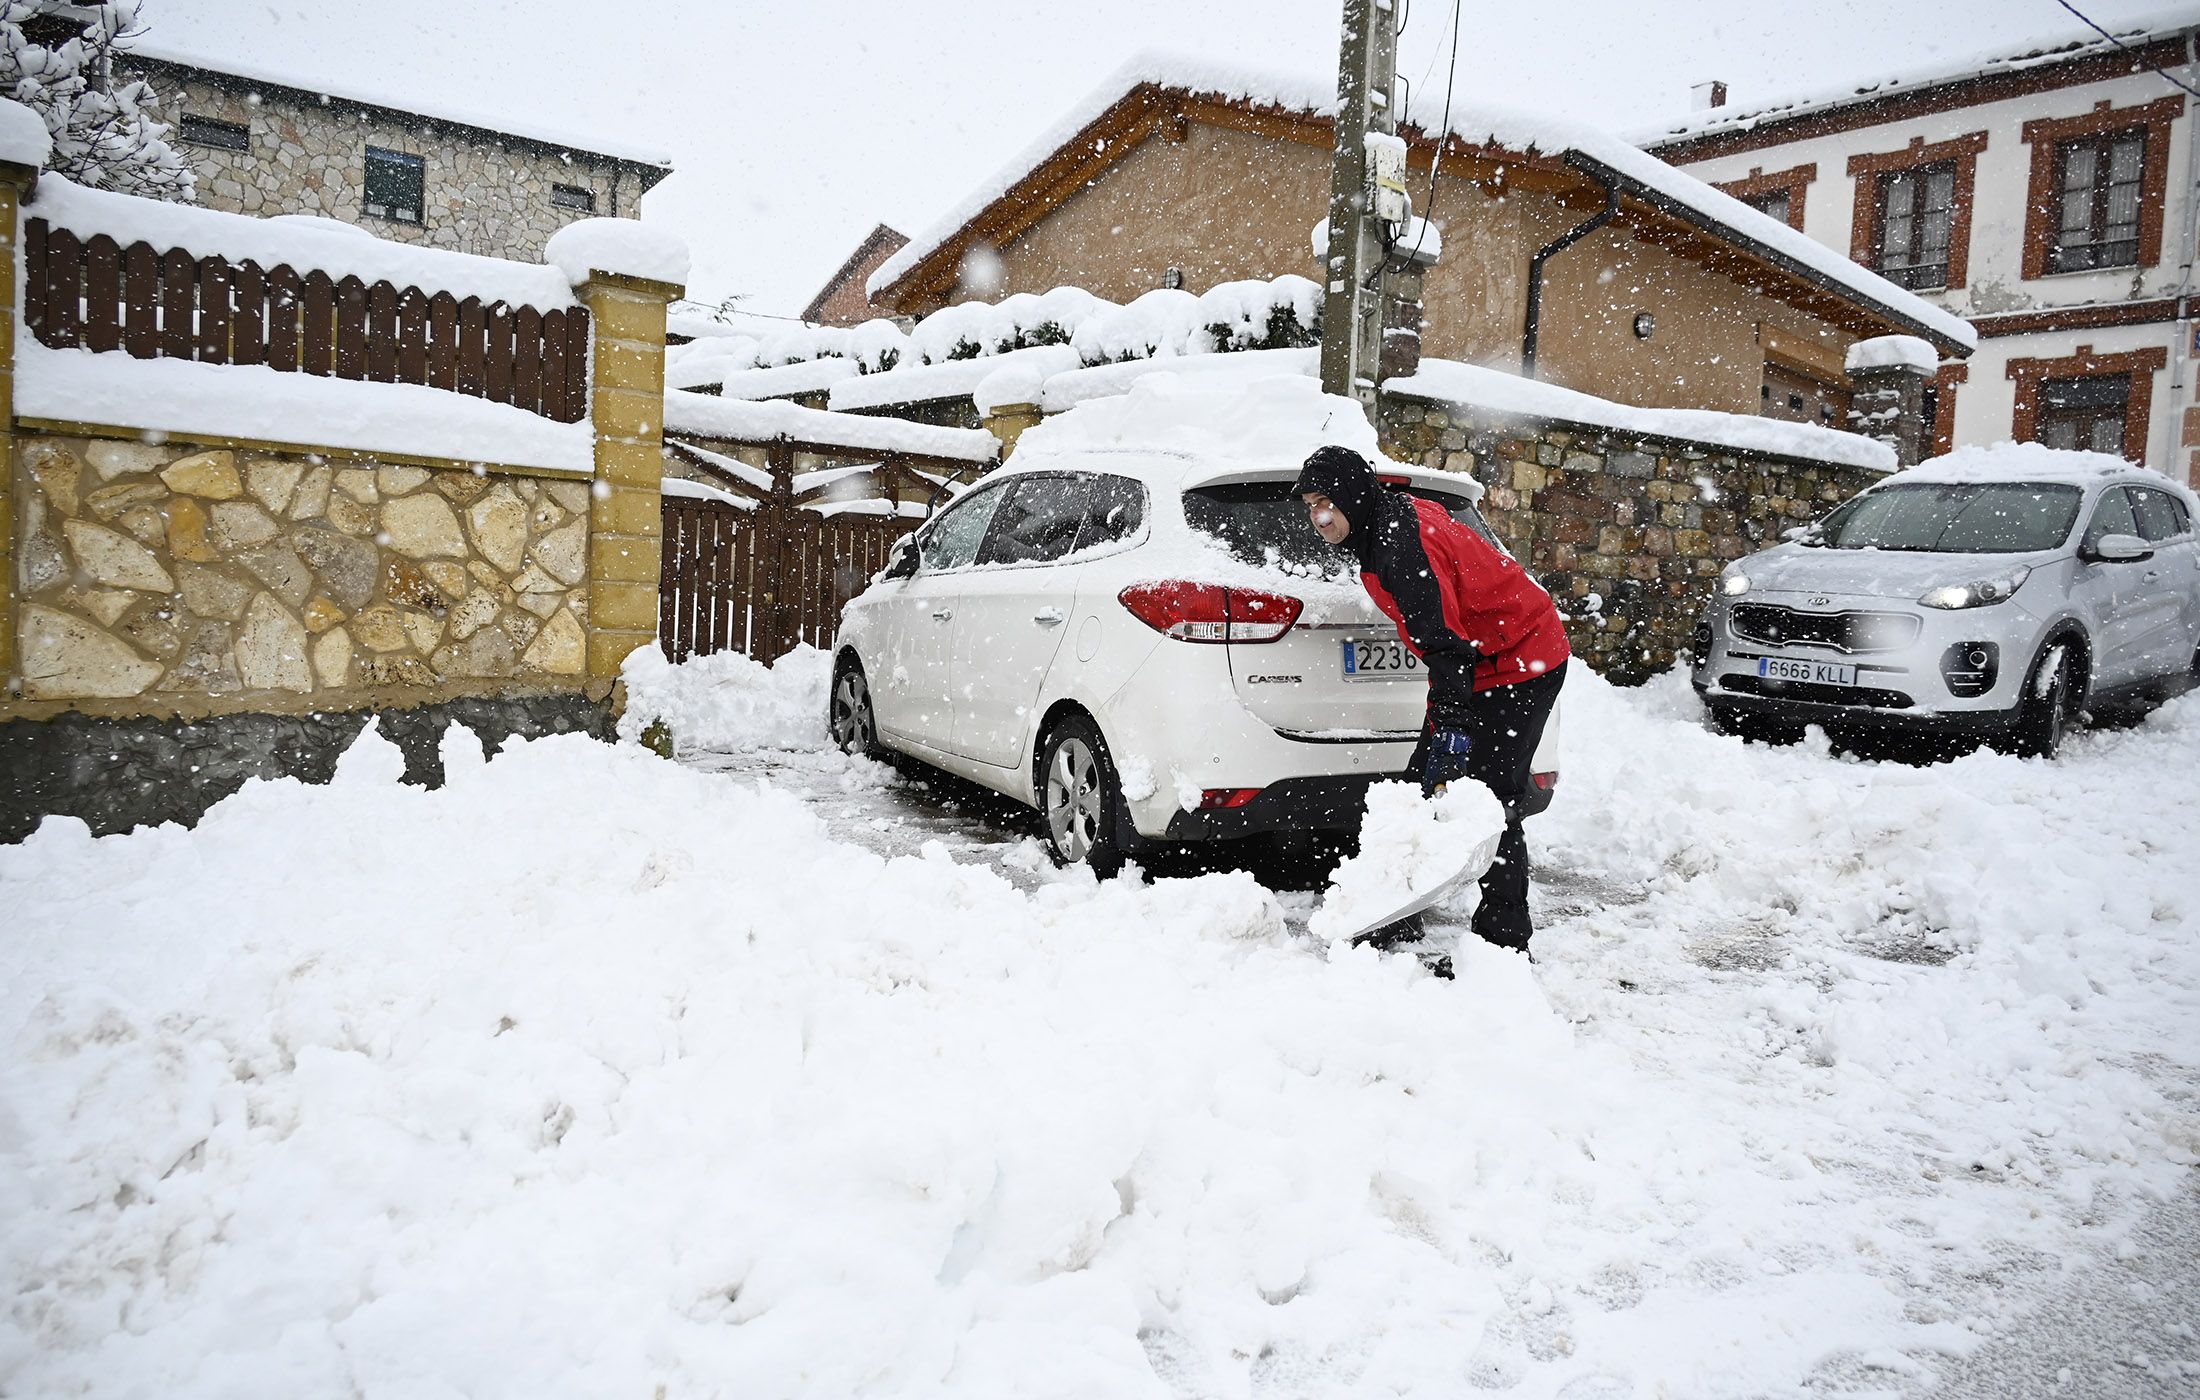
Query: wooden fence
(762,580)
(98,295)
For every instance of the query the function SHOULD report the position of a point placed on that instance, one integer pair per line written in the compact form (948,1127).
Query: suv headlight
(1979,593)
(1734,583)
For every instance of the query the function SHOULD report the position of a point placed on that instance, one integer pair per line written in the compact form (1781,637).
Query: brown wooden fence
(98,295)
(762,580)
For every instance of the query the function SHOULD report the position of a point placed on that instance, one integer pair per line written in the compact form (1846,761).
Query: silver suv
(1993,594)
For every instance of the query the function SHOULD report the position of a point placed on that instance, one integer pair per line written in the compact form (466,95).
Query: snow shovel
(1415,853)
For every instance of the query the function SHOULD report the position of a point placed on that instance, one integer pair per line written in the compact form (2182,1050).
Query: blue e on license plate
(1379,659)
(1776,668)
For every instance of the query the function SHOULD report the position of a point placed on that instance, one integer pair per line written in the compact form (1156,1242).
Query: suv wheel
(1080,797)
(849,717)
(2044,709)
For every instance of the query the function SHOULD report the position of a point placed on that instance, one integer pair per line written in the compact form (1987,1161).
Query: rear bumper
(1307,804)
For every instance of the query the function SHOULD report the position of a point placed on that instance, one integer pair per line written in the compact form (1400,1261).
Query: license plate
(1380,659)
(1774,668)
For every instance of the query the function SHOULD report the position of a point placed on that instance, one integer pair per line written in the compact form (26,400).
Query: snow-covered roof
(367,95)
(1594,153)
(2032,461)
(778,382)
(337,249)
(24,139)
(705,415)
(2002,58)
(1448,381)
(953,379)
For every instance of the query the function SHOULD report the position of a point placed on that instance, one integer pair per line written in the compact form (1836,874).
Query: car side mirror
(901,559)
(2120,549)
(1801,534)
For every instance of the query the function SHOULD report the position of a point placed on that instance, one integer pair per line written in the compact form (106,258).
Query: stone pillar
(1401,322)
(15,187)
(1889,375)
(1008,421)
(626,386)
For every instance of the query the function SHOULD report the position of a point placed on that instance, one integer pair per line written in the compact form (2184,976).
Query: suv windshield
(2002,517)
(1263,523)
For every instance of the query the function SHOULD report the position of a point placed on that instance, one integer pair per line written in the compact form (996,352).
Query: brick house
(2046,196)
(1674,296)
(844,300)
(263,145)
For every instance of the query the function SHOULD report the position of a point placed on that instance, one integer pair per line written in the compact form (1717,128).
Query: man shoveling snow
(1494,645)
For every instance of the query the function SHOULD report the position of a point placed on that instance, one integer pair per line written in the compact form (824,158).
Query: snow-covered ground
(765,1074)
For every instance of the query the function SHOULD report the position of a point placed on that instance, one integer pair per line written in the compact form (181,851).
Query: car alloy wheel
(853,727)
(1078,798)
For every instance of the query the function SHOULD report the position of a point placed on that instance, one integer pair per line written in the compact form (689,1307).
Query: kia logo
(1820,602)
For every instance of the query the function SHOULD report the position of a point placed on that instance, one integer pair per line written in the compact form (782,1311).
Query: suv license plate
(1379,659)
(1774,668)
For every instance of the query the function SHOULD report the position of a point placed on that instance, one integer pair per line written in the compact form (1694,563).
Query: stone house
(2046,196)
(262,145)
(1670,294)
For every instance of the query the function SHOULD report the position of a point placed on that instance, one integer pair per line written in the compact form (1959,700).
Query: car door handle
(1048,617)
(942,614)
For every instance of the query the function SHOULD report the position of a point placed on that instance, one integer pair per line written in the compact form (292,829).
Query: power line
(1443,130)
(2163,73)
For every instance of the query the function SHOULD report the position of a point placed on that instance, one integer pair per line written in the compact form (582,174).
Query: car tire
(1081,798)
(850,720)
(2047,707)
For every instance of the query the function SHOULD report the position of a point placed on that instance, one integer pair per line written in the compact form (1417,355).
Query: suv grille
(1774,625)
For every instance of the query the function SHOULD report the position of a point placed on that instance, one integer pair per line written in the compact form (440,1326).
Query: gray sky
(795,125)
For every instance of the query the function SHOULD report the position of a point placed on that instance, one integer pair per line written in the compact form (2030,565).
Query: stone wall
(1628,533)
(480,195)
(171,580)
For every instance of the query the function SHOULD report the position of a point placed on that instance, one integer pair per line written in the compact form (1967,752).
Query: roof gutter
(1623,184)
(1544,254)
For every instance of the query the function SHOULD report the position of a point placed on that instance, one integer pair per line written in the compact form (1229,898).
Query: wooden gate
(764,579)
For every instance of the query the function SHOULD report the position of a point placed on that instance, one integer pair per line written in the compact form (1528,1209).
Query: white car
(1147,647)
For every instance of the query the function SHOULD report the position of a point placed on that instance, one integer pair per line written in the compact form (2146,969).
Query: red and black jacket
(1463,605)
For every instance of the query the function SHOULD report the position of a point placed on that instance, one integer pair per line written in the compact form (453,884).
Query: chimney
(1705,96)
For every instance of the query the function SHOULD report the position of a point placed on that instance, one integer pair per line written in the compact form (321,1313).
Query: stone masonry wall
(1628,533)
(478,197)
(170,580)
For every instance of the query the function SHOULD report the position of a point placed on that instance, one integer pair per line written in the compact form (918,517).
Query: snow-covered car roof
(1175,433)
(2032,462)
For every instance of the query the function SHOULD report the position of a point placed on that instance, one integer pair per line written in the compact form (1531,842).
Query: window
(2085,414)
(573,197)
(1117,512)
(2097,202)
(395,185)
(1039,520)
(1776,204)
(2114,516)
(951,542)
(1916,225)
(2161,516)
(221,135)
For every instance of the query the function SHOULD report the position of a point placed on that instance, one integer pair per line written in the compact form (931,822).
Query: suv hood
(1871,573)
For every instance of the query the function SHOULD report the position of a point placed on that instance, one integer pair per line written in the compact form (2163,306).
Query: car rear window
(1948,518)
(1264,523)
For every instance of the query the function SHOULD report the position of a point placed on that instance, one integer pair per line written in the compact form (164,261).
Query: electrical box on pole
(1366,183)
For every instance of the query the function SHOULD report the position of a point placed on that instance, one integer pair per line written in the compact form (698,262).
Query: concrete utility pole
(1352,304)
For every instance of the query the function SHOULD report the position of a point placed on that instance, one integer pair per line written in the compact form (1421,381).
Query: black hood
(1345,477)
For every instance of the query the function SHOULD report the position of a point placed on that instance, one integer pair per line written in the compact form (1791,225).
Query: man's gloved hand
(1447,759)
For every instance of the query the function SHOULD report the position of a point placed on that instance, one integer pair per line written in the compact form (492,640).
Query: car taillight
(1209,612)
(1226,799)
(1544,782)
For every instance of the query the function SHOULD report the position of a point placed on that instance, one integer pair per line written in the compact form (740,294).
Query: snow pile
(1018,322)
(1449,381)
(252,401)
(953,379)
(873,346)
(623,247)
(706,415)
(306,246)
(1073,387)
(1272,420)
(1890,351)
(1410,847)
(24,139)
(781,381)
(1282,314)
(727,703)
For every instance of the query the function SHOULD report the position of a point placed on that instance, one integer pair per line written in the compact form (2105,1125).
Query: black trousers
(1507,723)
